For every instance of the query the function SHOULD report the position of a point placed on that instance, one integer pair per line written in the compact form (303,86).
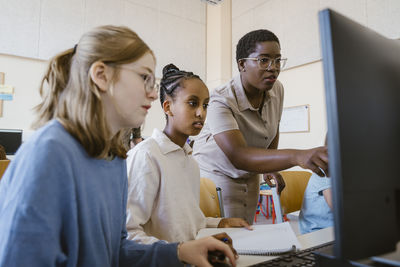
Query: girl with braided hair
(164,179)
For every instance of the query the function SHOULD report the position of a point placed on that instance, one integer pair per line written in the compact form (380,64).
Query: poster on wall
(295,119)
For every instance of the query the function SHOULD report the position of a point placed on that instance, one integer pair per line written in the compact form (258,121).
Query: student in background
(63,198)
(135,137)
(132,137)
(240,139)
(164,179)
(316,210)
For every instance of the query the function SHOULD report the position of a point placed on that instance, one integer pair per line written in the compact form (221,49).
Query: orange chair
(291,197)
(3,166)
(210,199)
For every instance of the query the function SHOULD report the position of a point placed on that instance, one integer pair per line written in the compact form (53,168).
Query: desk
(306,241)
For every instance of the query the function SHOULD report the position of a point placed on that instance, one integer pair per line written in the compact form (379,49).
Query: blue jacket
(60,207)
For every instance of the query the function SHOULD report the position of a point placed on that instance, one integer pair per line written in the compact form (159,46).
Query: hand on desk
(277,177)
(234,222)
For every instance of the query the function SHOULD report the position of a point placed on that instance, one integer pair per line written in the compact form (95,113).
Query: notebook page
(263,239)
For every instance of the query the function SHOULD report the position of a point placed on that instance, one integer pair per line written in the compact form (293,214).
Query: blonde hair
(74,99)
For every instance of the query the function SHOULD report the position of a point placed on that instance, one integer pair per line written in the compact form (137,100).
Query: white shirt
(163,192)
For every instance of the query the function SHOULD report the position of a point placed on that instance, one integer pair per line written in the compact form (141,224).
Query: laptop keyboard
(299,258)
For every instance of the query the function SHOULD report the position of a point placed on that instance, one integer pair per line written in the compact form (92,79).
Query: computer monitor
(10,140)
(362,82)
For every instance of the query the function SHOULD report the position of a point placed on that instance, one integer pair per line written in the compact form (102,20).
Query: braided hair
(247,44)
(172,79)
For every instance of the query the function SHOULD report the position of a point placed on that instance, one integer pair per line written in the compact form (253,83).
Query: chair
(291,197)
(266,196)
(211,199)
(3,166)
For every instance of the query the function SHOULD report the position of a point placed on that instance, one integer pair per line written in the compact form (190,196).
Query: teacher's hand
(315,159)
(277,177)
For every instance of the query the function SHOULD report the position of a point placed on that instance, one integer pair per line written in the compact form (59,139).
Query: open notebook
(265,239)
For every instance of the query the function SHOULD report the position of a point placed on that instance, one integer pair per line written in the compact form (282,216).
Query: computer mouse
(217,259)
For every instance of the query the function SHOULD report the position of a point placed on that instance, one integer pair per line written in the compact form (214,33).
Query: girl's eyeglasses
(149,81)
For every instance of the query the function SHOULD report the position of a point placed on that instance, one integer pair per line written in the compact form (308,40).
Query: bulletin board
(295,119)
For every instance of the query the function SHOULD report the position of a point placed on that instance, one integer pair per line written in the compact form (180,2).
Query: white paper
(264,239)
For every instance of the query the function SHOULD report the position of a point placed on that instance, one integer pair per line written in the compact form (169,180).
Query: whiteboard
(295,119)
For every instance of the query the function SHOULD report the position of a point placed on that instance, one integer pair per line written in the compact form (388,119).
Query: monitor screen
(362,83)
(10,140)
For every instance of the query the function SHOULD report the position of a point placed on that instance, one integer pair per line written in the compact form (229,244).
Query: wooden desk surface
(306,241)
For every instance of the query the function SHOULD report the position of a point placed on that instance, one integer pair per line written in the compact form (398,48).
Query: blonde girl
(63,198)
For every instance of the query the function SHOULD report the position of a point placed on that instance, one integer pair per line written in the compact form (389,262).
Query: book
(264,239)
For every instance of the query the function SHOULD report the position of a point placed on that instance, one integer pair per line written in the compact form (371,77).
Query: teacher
(240,138)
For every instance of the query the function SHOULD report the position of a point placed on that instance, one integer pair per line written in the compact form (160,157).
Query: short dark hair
(247,44)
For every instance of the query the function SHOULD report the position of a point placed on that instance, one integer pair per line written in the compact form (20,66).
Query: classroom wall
(24,74)
(296,22)
(33,30)
(296,25)
(219,41)
(305,85)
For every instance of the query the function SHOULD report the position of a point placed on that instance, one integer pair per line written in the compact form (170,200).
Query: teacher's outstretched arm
(260,160)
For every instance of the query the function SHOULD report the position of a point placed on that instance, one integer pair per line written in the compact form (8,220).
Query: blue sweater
(60,207)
